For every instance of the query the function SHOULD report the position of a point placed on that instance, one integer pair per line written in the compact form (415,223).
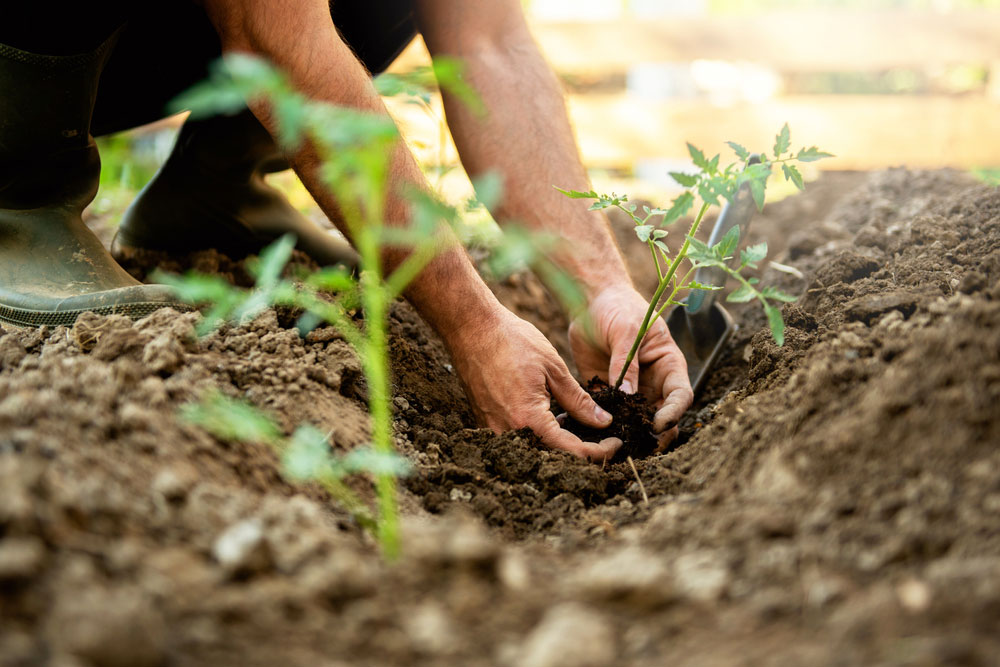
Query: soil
(632,424)
(832,501)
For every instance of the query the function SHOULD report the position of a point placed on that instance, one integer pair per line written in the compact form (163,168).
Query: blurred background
(879,83)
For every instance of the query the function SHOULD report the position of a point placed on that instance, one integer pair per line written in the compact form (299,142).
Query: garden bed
(832,501)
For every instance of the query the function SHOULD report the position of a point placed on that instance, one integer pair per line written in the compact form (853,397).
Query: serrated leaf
(662,246)
(729,243)
(699,251)
(600,205)
(812,154)
(741,152)
(687,180)
(784,268)
(750,255)
(680,206)
(707,194)
(776,323)
(782,141)
(771,292)
(694,284)
(742,294)
(792,174)
(576,194)
(698,157)
(643,232)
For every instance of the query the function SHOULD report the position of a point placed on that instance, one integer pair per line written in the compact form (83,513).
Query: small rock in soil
(570,635)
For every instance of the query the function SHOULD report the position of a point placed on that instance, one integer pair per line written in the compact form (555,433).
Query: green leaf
(757,189)
(729,243)
(576,194)
(687,180)
(784,268)
(272,260)
(367,460)
(782,141)
(489,188)
(742,294)
(707,194)
(694,284)
(776,323)
(644,232)
(751,255)
(332,279)
(230,419)
(659,233)
(792,174)
(741,152)
(698,157)
(700,252)
(662,246)
(680,206)
(307,455)
(812,154)
(771,292)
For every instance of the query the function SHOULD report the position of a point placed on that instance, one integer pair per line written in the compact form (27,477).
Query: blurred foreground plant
(355,149)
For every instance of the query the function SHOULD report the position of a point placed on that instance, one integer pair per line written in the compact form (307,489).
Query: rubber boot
(52,267)
(211,193)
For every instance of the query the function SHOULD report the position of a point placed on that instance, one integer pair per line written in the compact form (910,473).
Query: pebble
(20,558)
(241,548)
(570,635)
(701,575)
(631,572)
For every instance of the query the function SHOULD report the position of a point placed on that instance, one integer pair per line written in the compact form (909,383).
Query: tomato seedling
(711,184)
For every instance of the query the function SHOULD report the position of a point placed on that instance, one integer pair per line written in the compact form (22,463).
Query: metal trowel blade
(701,338)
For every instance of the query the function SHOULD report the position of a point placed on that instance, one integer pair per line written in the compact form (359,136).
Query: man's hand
(509,370)
(601,339)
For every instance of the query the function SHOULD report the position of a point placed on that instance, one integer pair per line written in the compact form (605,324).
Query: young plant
(710,184)
(355,149)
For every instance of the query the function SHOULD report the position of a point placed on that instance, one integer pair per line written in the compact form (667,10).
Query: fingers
(674,405)
(664,439)
(578,403)
(618,357)
(553,436)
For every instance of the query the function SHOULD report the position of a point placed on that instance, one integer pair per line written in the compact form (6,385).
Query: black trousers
(167,45)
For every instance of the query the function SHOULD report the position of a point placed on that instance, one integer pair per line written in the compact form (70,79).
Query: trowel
(702,327)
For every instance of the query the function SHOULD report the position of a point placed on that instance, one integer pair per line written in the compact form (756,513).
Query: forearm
(304,44)
(526,136)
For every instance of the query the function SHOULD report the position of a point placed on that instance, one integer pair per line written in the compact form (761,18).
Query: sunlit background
(879,83)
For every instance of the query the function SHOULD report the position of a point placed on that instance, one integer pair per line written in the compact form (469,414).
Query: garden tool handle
(736,213)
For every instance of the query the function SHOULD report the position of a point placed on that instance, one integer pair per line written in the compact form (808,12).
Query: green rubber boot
(52,267)
(211,193)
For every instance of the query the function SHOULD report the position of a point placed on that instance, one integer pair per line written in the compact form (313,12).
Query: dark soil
(633,422)
(834,501)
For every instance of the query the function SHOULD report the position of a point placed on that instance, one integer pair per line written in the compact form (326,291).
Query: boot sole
(32,319)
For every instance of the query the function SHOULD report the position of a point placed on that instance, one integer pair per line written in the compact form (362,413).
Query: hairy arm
(506,364)
(527,137)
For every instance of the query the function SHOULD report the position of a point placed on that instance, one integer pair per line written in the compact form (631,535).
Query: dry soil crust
(836,501)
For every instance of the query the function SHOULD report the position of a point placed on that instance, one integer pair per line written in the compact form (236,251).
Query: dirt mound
(834,501)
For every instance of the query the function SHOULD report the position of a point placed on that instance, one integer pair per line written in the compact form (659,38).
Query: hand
(601,339)
(509,371)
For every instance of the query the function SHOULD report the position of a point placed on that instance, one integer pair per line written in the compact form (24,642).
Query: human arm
(526,136)
(493,350)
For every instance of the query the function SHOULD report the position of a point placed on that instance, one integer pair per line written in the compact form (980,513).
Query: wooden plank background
(864,131)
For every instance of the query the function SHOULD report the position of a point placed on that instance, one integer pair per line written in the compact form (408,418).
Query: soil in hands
(633,421)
